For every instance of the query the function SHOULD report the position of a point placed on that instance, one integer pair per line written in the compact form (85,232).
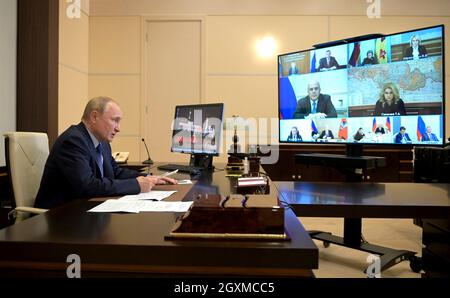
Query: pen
(169,173)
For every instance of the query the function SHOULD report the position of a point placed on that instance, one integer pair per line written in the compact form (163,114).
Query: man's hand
(316,116)
(165,180)
(147,183)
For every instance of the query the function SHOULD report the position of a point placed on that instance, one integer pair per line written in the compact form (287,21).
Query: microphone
(149,161)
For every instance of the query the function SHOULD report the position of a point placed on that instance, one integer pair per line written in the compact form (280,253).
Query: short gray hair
(96,104)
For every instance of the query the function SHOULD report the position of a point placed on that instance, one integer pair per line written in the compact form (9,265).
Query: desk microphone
(149,161)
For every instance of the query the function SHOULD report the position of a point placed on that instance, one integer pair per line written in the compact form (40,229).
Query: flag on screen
(343,130)
(381,52)
(388,124)
(374,124)
(313,63)
(313,126)
(421,128)
(354,58)
(288,100)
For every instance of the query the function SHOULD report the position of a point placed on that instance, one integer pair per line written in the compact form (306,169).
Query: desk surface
(134,243)
(376,200)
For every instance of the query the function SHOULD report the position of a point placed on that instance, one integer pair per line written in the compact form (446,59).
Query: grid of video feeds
(386,90)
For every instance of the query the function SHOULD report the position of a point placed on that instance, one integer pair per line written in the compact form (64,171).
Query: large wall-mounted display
(379,90)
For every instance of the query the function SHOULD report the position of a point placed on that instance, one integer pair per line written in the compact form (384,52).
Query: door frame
(144,59)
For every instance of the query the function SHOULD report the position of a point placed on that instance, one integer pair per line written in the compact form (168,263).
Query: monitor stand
(353,165)
(202,161)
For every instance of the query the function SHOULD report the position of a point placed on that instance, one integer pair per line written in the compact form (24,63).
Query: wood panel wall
(37,66)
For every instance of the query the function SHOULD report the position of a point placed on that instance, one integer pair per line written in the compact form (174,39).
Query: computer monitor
(377,90)
(197,130)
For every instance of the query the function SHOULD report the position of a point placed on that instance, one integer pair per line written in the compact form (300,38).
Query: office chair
(26,154)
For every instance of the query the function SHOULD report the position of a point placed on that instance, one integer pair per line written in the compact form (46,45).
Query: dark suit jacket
(380,130)
(390,110)
(71,171)
(324,105)
(409,52)
(293,70)
(325,135)
(290,138)
(432,137)
(369,61)
(398,138)
(323,63)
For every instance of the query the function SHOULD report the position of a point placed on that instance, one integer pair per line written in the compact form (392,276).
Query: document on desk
(153,195)
(116,206)
(136,206)
(148,206)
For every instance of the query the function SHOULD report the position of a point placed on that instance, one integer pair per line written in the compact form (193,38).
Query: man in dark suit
(315,105)
(326,134)
(429,136)
(80,164)
(328,62)
(293,69)
(402,137)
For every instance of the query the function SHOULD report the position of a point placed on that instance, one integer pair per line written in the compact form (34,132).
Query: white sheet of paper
(136,206)
(157,195)
(148,206)
(116,206)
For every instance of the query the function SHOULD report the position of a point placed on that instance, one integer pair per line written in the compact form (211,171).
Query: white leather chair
(26,154)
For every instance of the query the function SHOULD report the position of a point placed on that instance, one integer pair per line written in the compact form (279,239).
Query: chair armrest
(30,210)
(14,213)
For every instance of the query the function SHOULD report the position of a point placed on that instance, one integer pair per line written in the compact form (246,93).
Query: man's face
(328,54)
(428,129)
(313,91)
(106,125)
(402,131)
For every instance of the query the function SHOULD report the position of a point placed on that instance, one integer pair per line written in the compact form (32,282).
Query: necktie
(314,108)
(99,158)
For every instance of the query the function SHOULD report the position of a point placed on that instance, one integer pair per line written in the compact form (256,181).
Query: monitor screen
(197,129)
(384,90)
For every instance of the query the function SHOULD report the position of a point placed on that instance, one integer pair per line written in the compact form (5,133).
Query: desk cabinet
(399,164)
(436,247)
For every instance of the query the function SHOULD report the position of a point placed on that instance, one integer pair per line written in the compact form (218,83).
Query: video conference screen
(387,90)
(197,129)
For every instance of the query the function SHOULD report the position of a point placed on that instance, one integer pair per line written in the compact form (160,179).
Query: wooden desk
(354,201)
(134,245)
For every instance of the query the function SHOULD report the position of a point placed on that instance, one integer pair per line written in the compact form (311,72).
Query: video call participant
(326,134)
(370,59)
(315,105)
(359,135)
(429,136)
(389,102)
(294,135)
(415,50)
(380,129)
(293,69)
(328,62)
(402,137)
(80,164)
